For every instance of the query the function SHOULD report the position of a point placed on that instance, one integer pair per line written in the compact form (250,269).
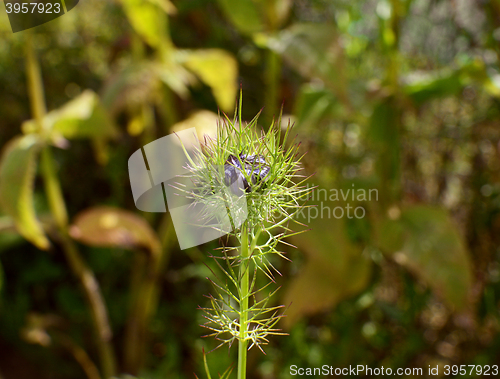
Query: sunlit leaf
(205,123)
(334,270)
(17,175)
(114,227)
(174,75)
(166,5)
(426,241)
(82,117)
(219,70)
(244,15)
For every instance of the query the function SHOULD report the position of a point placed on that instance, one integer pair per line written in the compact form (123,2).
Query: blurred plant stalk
(57,206)
(272,77)
(145,295)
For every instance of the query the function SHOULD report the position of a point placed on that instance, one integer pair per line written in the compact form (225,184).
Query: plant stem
(53,189)
(64,6)
(145,292)
(58,208)
(244,295)
(80,355)
(35,85)
(96,304)
(167,109)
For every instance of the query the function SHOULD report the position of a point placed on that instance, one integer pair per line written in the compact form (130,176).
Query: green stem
(166,102)
(35,85)
(244,295)
(58,209)
(64,6)
(53,189)
(145,293)
(167,109)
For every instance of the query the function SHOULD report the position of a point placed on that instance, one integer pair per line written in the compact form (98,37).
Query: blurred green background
(397,96)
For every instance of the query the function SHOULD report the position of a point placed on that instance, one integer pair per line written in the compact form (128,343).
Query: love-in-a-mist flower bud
(237,171)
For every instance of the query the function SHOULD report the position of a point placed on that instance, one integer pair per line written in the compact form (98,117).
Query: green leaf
(314,51)
(17,175)
(431,247)
(434,85)
(219,70)
(113,227)
(334,271)
(390,235)
(166,5)
(244,15)
(149,20)
(426,86)
(82,117)
(174,75)
(205,364)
